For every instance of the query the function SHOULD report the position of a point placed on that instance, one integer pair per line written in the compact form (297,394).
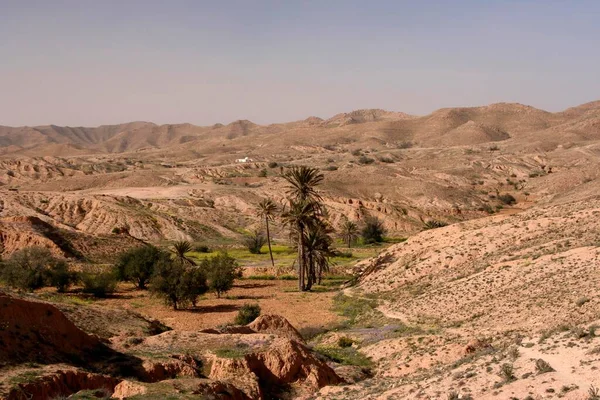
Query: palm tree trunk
(310,273)
(269,243)
(301,259)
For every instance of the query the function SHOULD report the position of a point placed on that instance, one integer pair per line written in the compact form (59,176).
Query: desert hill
(448,126)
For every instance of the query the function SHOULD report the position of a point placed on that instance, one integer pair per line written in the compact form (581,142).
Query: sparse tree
(267,209)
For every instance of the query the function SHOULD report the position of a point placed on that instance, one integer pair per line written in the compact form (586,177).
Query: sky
(89,62)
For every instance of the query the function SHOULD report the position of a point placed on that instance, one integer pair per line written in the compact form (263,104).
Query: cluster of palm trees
(306,217)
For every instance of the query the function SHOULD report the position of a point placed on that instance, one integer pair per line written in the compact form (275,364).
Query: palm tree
(349,232)
(318,244)
(180,249)
(303,181)
(267,209)
(299,217)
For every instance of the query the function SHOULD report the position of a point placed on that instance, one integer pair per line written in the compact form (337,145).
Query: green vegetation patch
(352,307)
(240,350)
(345,356)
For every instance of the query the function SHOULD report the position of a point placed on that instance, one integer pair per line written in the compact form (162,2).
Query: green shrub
(177,283)
(221,271)
(352,307)
(247,314)
(487,208)
(344,342)
(433,224)
(255,242)
(238,351)
(61,277)
(507,372)
(99,284)
(137,265)
(345,356)
(29,268)
(263,173)
(365,160)
(202,248)
(373,230)
(507,199)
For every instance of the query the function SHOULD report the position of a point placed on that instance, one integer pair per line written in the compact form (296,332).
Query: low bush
(237,351)
(433,224)
(99,284)
(373,231)
(202,248)
(365,160)
(247,314)
(255,242)
(61,277)
(345,356)
(344,342)
(351,307)
(507,199)
(273,164)
(507,372)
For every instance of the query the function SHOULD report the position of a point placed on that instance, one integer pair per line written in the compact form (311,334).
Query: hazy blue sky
(99,61)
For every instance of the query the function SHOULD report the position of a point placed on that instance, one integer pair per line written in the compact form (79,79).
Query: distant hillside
(444,127)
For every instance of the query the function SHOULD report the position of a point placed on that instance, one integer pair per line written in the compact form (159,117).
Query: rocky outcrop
(180,365)
(267,323)
(62,383)
(127,389)
(277,325)
(238,372)
(218,390)
(283,363)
